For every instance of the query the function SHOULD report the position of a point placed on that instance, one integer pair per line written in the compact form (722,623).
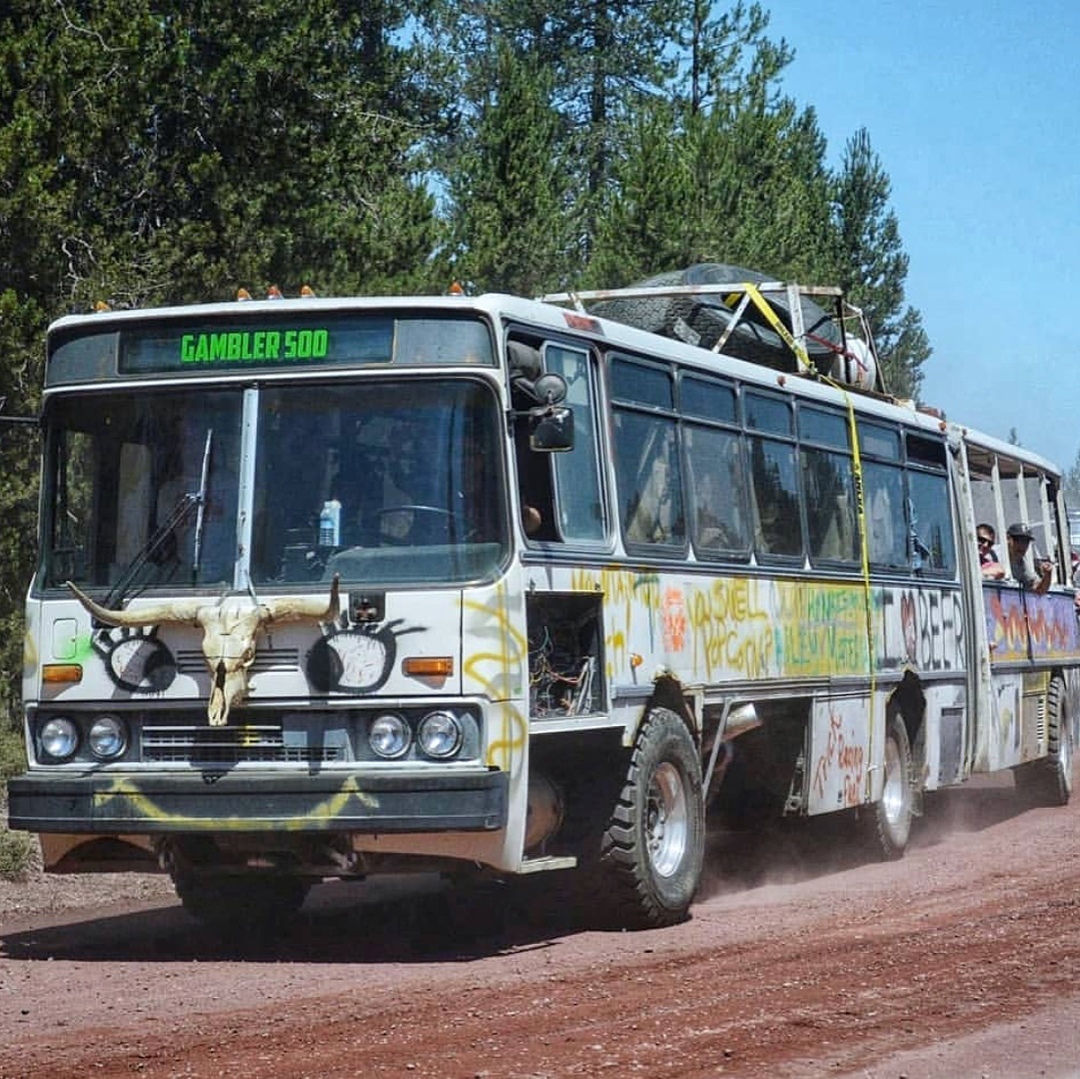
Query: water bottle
(330,524)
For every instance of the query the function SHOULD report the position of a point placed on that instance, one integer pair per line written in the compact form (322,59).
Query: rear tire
(1048,781)
(652,848)
(894,811)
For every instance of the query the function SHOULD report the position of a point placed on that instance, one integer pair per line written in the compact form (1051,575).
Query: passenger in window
(991,567)
(531,519)
(1033,574)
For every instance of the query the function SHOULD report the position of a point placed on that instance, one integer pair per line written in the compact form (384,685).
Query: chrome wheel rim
(896,796)
(667,820)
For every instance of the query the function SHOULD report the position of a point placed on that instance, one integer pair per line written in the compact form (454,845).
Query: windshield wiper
(192,502)
(204,478)
(185,505)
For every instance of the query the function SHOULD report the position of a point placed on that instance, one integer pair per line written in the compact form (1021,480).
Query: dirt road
(961,960)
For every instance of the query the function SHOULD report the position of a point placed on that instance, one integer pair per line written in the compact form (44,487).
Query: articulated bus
(330,588)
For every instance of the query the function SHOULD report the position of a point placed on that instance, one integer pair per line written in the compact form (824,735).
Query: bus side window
(886,527)
(717,483)
(650,479)
(777,527)
(932,533)
(536,491)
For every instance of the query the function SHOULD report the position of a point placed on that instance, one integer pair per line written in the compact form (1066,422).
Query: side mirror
(550,388)
(547,389)
(551,429)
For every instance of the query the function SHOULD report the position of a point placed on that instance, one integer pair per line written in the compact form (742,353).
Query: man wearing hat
(1036,579)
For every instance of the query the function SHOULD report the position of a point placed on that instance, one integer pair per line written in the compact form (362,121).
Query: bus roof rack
(745,314)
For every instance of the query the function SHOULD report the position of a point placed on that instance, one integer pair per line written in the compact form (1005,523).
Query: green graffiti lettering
(241,346)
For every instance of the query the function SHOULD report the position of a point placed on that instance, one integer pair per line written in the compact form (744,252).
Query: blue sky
(974,110)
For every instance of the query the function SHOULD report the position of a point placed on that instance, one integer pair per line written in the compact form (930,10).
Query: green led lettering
(263,345)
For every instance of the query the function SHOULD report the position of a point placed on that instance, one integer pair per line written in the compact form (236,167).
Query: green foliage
(16,848)
(510,227)
(203,147)
(168,152)
(871,265)
(12,749)
(1071,484)
(16,854)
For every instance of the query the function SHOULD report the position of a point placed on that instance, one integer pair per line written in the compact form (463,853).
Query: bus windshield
(395,481)
(132,479)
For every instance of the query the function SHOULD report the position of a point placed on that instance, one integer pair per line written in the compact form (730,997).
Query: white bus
(337,587)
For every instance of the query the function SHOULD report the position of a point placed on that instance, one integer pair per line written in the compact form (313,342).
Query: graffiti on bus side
(496,667)
(1012,615)
(840,766)
(732,628)
(821,630)
(756,628)
(921,628)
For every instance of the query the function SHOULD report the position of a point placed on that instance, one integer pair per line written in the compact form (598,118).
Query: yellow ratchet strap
(773,320)
(864,560)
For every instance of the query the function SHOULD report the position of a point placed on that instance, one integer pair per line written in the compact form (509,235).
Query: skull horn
(294,608)
(144,616)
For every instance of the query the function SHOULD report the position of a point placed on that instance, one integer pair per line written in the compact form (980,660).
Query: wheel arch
(908,700)
(668,692)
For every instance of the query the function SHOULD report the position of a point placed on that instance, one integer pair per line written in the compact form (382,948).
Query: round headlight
(440,734)
(389,735)
(59,738)
(108,737)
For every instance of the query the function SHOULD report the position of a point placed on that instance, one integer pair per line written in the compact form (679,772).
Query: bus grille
(262,744)
(191,661)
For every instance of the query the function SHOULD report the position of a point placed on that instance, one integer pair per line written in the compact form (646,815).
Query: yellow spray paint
(499,675)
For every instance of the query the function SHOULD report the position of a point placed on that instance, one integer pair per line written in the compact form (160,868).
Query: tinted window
(649,479)
(707,400)
(634,382)
(771,414)
(829,494)
(777,524)
(717,492)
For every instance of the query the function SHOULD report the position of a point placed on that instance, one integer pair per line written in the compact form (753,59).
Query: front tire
(225,902)
(652,849)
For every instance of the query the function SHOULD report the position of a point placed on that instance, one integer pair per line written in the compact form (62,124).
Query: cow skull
(230,627)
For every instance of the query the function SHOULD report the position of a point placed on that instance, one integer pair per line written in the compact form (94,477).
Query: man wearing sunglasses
(991,568)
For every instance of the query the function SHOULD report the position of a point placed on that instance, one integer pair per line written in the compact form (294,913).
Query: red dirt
(960,960)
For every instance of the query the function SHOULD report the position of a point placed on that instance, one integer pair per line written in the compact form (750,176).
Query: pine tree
(167,152)
(511,194)
(872,265)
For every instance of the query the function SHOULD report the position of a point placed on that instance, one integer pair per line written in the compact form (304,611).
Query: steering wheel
(448,524)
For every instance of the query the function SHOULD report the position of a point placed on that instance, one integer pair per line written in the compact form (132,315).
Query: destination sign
(268,345)
(183,345)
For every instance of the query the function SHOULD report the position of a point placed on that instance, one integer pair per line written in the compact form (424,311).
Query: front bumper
(107,804)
